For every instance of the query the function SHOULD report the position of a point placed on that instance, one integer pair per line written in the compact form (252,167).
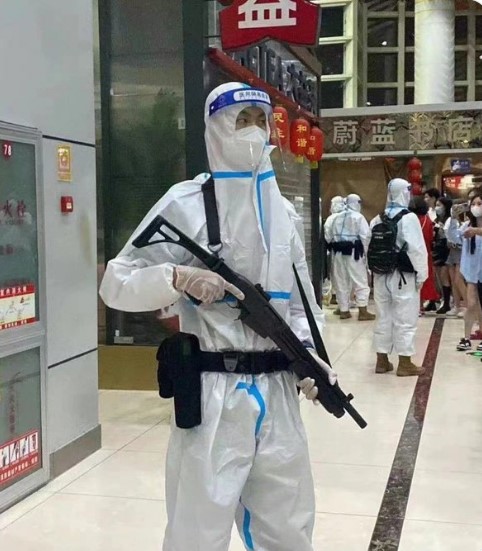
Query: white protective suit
(337,205)
(398,302)
(248,460)
(350,274)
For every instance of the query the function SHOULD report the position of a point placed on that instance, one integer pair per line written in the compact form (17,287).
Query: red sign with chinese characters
(7,150)
(19,457)
(17,305)
(247,22)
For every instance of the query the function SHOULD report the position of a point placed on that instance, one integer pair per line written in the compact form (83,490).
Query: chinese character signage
(247,22)
(64,163)
(17,306)
(442,130)
(19,457)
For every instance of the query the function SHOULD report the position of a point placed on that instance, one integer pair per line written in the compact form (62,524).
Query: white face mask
(440,211)
(476,211)
(250,143)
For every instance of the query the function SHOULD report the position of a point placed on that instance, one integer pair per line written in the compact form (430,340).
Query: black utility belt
(248,363)
(181,362)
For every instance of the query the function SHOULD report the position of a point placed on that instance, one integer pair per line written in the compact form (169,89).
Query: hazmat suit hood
(229,149)
(353,202)
(399,193)
(337,204)
(253,216)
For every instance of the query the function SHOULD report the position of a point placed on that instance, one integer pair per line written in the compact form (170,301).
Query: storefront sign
(288,77)
(403,132)
(64,163)
(19,456)
(461,165)
(247,22)
(17,306)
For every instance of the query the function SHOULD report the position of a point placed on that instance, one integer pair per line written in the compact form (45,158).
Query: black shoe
(464,345)
(431,307)
(443,310)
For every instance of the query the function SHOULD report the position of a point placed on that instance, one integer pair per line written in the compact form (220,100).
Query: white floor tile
(124,474)
(446,497)
(439,536)
(133,407)
(349,489)
(93,523)
(342,532)
(117,435)
(444,452)
(22,508)
(154,440)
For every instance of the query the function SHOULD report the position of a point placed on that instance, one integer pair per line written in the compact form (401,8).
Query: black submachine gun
(257,313)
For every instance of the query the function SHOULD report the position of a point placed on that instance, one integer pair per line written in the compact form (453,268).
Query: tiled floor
(114,499)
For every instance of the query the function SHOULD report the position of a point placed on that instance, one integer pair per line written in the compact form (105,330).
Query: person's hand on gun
(307,385)
(203,285)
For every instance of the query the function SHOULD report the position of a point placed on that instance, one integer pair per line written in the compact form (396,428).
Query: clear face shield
(255,129)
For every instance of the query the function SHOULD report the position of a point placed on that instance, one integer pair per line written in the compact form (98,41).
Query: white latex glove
(307,385)
(204,285)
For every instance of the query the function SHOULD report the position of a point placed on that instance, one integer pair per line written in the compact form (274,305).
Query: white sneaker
(461,313)
(452,313)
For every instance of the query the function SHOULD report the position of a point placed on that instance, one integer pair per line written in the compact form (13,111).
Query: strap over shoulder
(212,216)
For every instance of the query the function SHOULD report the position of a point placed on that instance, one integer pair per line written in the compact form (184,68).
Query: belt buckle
(230,360)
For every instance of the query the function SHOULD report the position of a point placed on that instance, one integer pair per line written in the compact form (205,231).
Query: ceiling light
(384,43)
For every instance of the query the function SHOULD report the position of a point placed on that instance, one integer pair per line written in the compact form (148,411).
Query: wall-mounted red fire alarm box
(66,204)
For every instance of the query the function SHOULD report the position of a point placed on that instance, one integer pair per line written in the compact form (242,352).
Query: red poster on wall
(247,22)
(19,456)
(17,306)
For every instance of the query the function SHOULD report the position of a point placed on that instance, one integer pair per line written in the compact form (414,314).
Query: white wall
(47,82)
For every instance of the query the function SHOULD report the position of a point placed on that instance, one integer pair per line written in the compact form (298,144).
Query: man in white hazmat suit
(397,295)
(350,235)
(248,460)
(337,205)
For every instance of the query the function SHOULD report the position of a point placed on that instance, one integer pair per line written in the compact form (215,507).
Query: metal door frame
(31,336)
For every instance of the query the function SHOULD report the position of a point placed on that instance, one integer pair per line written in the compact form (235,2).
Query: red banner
(19,456)
(247,22)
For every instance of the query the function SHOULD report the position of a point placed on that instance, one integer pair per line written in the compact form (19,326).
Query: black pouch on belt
(179,376)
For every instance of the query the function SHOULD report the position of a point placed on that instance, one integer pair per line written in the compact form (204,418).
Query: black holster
(359,249)
(179,376)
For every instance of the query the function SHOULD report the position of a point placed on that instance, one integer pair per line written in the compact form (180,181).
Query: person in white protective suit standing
(248,459)
(397,294)
(350,235)
(337,205)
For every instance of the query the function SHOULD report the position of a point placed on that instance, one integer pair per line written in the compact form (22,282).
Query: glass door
(23,449)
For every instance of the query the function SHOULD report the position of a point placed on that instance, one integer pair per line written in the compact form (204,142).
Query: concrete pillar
(434,51)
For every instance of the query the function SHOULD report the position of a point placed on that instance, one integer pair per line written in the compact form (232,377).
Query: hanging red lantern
(300,134)
(314,152)
(415,177)
(417,189)
(414,164)
(414,167)
(282,122)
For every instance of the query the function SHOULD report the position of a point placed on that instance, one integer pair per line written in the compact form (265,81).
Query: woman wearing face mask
(470,265)
(440,251)
(453,262)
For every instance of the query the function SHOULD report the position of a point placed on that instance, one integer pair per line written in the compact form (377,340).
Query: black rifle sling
(215,245)
(212,216)
(315,332)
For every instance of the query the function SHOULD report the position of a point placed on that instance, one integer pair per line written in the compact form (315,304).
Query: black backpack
(384,257)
